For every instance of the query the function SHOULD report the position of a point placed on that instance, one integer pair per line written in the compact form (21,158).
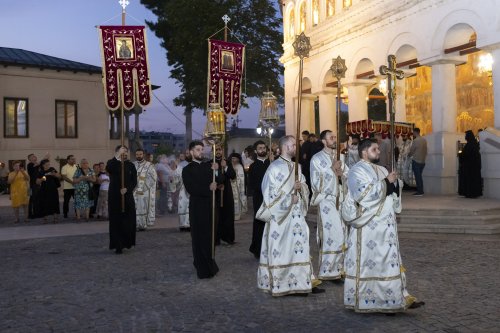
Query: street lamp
(268,116)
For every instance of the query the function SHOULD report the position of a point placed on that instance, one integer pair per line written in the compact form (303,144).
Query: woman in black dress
(469,170)
(49,181)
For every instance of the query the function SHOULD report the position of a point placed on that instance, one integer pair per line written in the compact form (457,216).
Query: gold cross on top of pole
(392,74)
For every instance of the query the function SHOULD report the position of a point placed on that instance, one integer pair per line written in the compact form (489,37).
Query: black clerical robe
(121,224)
(225,216)
(469,171)
(255,175)
(196,178)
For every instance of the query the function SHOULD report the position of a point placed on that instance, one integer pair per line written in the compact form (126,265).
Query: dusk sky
(66,29)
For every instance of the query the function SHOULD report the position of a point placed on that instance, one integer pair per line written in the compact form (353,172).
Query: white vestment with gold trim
(331,230)
(239,196)
(375,279)
(145,193)
(183,205)
(285,264)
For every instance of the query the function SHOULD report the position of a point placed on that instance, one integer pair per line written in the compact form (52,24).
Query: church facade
(448,49)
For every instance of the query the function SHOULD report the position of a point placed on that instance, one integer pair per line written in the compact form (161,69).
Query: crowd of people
(357,199)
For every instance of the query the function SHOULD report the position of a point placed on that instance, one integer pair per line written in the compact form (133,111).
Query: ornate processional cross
(301,46)
(226,19)
(392,74)
(124,3)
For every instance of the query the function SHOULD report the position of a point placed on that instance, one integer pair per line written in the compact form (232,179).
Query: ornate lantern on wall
(268,116)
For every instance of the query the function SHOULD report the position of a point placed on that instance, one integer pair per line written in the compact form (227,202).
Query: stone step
(450,212)
(489,229)
(404,219)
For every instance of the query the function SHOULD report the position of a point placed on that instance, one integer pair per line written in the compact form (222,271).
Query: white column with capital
(358,103)
(328,110)
(307,113)
(440,173)
(495,53)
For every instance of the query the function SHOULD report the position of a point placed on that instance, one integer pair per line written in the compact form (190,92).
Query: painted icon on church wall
(227,61)
(124,48)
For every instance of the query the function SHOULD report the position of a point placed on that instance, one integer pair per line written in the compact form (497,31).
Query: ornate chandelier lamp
(268,116)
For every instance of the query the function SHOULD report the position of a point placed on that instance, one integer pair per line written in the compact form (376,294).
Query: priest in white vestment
(375,277)
(285,263)
(238,187)
(331,230)
(352,151)
(145,191)
(183,205)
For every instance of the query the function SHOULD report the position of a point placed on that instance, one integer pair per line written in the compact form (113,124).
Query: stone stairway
(451,221)
(444,214)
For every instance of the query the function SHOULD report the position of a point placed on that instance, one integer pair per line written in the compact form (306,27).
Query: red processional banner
(225,71)
(125,66)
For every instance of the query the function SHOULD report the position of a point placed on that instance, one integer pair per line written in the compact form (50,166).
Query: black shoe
(416,305)
(317,290)
(118,251)
(337,281)
(298,294)
(390,314)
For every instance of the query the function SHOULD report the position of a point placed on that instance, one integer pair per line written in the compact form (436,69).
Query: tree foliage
(184,27)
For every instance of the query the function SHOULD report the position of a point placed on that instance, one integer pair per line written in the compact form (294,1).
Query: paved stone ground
(74,284)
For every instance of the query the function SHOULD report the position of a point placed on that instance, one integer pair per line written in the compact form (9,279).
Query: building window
(315,5)
(291,25)
(330,8)
(66,119)
(15,118)
(302,16)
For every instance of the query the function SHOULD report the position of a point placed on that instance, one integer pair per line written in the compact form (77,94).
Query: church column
(358,104)
(307,113)
(328,110)
(440,173)
(495,53)
(400,100)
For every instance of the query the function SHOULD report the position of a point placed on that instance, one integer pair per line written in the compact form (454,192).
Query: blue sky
(66,29)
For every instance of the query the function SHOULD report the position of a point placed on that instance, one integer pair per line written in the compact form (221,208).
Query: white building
(438,43)
(55,106)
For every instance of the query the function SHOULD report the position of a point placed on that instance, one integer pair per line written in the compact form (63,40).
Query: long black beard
(374,160)
(264,154)
(140,160)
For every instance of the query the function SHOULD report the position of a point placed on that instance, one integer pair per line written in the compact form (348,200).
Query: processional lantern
(268,116)
(215,129)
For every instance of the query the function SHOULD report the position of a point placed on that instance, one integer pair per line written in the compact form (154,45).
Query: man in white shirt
(67,172)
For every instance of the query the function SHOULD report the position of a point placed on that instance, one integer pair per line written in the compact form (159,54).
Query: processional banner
(225,71)
(366,127)
(125,66)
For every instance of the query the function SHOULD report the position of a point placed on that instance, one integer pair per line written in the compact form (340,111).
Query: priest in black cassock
(255,175)
(197,178)
(225,216)
(469,168)
(121,224)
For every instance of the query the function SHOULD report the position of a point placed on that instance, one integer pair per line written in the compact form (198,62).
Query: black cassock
(225,214)
(469,171)
(197,178)
(255,175)
(121,225)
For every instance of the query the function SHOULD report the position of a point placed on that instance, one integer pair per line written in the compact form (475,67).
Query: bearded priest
(285,263)
(331,231)
(375,276)
(145,192)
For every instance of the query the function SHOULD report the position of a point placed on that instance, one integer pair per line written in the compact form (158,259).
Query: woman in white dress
(238,186)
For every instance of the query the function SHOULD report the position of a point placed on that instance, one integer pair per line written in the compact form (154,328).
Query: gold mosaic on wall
(474,97)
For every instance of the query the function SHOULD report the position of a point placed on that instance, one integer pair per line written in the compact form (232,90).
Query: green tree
(184,27)
(163,149)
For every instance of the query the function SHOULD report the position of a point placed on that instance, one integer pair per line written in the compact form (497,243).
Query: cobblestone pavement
(74,284)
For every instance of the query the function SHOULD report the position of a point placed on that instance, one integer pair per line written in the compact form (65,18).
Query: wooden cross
(392,74)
